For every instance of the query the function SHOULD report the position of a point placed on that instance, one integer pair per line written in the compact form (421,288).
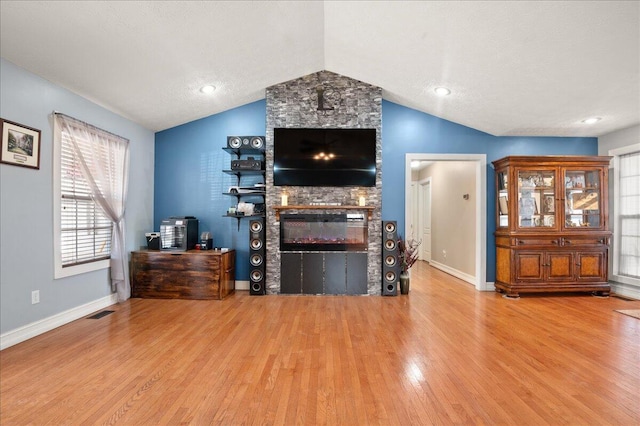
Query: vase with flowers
(408,255)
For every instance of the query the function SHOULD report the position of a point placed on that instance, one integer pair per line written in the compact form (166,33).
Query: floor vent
(100,314)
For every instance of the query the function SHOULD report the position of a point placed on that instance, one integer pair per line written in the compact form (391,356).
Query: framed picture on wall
(20,145)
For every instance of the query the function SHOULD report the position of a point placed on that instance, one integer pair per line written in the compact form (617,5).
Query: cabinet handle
(556,242)
(578,264)
(520,242)
(567,242)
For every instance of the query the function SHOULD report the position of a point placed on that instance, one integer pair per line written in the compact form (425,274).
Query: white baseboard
(489,286)
(626,290)
(451,271)
(13,337)
(242,285)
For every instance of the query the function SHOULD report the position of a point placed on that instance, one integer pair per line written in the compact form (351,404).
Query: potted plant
(408,255)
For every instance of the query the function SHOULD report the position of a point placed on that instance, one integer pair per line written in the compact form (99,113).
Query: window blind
(629,215)
(85,229)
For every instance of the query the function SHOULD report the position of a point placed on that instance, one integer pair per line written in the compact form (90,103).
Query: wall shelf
(368,209)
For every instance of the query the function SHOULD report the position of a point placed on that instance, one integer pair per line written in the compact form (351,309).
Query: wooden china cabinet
(552,224)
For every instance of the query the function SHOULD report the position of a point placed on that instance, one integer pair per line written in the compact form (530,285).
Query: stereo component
(390,259)
(255,142)
(248,164)
(257,260)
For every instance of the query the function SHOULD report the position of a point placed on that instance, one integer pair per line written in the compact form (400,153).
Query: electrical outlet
(444,253)
(35,297)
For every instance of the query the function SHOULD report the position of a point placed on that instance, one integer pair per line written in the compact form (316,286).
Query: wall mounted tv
(324,157)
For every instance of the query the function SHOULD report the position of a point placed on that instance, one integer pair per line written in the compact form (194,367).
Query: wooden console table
(193,274)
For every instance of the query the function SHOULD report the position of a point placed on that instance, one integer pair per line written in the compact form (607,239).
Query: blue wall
(189,180)
(189,164)
(409,131)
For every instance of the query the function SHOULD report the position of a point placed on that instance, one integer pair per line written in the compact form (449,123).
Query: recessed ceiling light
(207,90)
(442,91)
(591,120)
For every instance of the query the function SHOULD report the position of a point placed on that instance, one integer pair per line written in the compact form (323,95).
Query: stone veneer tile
(294,104)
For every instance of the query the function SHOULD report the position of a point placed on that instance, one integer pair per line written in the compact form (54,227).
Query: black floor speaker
(257,260)
(390,259)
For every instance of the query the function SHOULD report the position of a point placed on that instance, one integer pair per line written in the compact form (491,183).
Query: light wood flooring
(443,355)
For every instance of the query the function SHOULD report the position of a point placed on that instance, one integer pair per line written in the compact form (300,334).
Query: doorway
(416,224)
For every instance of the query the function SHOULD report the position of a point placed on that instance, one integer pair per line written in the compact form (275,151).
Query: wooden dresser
(552,224)
(194,274)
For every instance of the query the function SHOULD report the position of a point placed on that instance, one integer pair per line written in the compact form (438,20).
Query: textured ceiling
(514,68)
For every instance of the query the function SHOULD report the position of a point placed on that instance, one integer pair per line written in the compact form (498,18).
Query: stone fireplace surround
(294,104)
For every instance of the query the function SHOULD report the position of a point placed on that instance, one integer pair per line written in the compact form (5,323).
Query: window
(82,232)
(626,261)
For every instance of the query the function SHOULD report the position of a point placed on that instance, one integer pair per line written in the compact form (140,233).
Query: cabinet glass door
(502,211)
(536,199)
(582,199)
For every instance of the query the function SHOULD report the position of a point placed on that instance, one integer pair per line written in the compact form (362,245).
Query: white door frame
(421,215)
(480,276)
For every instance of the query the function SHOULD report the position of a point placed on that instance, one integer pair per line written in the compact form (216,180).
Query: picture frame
(549,205)
(20,145)
(504,205)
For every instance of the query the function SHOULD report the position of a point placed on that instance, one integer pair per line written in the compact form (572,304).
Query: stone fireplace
(355,105)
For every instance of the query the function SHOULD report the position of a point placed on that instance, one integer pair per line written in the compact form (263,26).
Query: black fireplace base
(323,273)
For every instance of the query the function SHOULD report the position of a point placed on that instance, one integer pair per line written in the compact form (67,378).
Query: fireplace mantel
(368,209)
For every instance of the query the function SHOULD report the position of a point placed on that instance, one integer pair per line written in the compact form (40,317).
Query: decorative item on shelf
(362,200)
(408,255)
(284,198)
(245,208)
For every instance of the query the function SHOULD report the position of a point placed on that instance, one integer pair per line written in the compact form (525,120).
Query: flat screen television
(324,157)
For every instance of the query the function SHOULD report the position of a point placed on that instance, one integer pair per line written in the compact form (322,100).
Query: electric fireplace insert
(323,232)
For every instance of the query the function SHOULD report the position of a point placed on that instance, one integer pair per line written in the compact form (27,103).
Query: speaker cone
(257,142)
(256,287)
(390,260)
(256,244)
(256,275)
(256,260)
(235,142)
(390,244)
(256,226)
(390,227)
(390,276)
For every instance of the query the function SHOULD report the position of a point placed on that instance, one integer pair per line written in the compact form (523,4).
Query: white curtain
(104,158)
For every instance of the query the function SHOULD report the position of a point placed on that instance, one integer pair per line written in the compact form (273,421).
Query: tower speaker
(257,260)
(255,142)
(390,259)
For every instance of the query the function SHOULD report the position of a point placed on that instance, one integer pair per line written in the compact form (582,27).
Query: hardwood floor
(445,354)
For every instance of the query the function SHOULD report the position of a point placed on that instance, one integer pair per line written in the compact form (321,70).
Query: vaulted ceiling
(514,67)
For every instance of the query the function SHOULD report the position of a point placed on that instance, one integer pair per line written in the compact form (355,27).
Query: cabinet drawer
(176,262)
(536,241)
(585,241)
